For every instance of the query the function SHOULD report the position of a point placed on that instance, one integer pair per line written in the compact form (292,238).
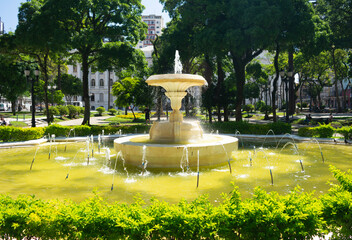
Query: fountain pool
(67,175)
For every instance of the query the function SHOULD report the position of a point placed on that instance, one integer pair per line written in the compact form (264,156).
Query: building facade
(155,25)
(100,85)
(2,27)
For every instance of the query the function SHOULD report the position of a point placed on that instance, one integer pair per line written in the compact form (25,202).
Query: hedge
(296,215)
(248,128)
(11,134)
(265,216)
(325,131)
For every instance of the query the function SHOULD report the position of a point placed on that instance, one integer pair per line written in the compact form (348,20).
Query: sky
(9,11)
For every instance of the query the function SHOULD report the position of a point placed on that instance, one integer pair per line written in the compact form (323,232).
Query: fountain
(167,139)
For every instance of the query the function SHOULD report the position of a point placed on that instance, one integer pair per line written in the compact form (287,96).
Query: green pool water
(47,179)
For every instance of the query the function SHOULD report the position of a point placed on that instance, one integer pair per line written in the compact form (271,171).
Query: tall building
(155,25)
(2,28)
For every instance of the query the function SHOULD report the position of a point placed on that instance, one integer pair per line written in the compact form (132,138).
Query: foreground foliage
(265,216)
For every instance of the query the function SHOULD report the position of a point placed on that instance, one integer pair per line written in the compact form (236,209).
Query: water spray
(271,175)
(35,154)
(197,168)
(300,161)
(99,142)
(87,143)
(92,141)
(113,176)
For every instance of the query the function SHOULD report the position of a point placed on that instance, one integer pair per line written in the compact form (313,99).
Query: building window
(92,108)
(92,83)
(75,98)
(74,69)
(101,97)
(111,82)
(101,82)
(92,97)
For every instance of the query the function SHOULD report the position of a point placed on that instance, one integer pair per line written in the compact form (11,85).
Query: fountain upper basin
(213,150)
(176,82)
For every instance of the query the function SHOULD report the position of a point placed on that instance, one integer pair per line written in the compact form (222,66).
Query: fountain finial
(178,64)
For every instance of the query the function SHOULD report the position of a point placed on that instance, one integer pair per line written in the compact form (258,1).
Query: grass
(18,124)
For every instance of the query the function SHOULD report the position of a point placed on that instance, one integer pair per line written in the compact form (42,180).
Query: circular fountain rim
(224,140)
(196,80)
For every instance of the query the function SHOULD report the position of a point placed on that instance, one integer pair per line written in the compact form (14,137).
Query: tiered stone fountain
(167,141)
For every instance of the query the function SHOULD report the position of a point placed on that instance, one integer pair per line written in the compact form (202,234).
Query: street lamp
(285,77)
(52,89)
(27,72)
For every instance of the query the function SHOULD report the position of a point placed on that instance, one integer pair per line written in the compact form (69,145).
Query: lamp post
(52,89)
(285,77)
(36,73)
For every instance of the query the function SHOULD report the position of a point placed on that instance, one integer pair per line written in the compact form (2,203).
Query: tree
(87,23)
(70,86)
(241,28)
(12,79)
(129,93)
(40,37)
(121,58)
(338,14)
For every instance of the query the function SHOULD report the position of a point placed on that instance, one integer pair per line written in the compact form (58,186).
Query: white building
(2,27)
(155,25)
(98,87)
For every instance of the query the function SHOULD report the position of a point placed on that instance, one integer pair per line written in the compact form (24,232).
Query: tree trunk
(210,115)
(344,97)
(159,103)
(240,74)
(109,86)
(276,65)
(187,103)
(46,79)
(226,114)
(219,87)
(13,107)
(59,75)
(86,98)
(336,89)
(292,94)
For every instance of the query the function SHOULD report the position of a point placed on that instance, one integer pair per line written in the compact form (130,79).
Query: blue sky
(9,11)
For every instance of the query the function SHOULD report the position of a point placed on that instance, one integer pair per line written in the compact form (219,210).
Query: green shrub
(304,104)
(100,110)
(80,110)
(63,110)
(305,132)
(84,130)
(324,131)
(247,128)
(12,134)
(336,124)
(259,104)
(248,108)
(346,131)
(264,216)
(52,112)
(73,111)
(112,111)
(337,205)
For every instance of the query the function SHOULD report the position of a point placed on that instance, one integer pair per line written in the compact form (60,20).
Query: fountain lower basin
(213,150)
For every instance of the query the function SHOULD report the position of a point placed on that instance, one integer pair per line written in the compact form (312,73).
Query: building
(99,83)
(2,27)
(155,25)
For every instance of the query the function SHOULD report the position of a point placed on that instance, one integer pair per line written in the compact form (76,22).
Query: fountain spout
(178,64)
